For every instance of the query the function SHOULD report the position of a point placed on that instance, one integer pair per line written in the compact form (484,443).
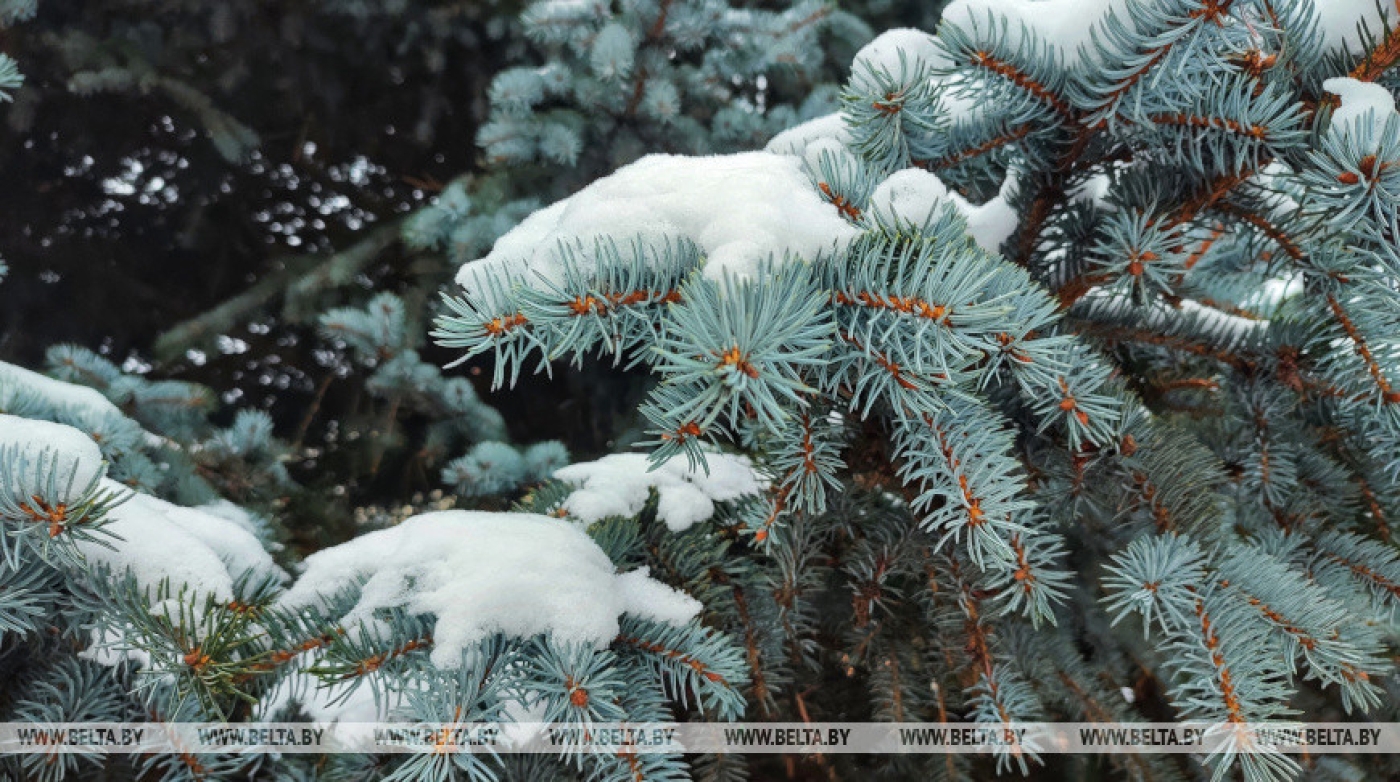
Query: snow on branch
(481,573)
(740,209)
(620,484)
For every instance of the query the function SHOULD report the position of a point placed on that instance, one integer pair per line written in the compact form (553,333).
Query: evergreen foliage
(133,636)
(1148,373)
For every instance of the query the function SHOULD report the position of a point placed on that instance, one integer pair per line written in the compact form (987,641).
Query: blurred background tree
(179,153)
(209,179)
(181,150)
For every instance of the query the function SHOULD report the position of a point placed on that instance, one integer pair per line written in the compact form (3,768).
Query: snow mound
(739,209)
(1065,23)
(480,573)
(908,52)
(148,538)
(1365,109)
(902,50)
(796,140)
(618,485)
(158,540)
(914,196)
(39,444)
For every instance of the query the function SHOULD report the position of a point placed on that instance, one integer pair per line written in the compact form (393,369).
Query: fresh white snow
(37,445)
(906,52)
(913,196)
(739,209)
(199,555)
(895,52)
(154,541)
(157,540)
(1365,109)
(1066,24)
(479,573)
(796,140)
(1337,21)
(619,484)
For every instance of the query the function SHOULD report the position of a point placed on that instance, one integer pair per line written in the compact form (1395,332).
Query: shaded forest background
(182,156)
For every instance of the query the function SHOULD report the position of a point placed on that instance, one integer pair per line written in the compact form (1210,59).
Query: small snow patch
(914,196)
(796,140)
(1066,24)
(618,485)
(895,52)
(1365,109)
(481,573)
